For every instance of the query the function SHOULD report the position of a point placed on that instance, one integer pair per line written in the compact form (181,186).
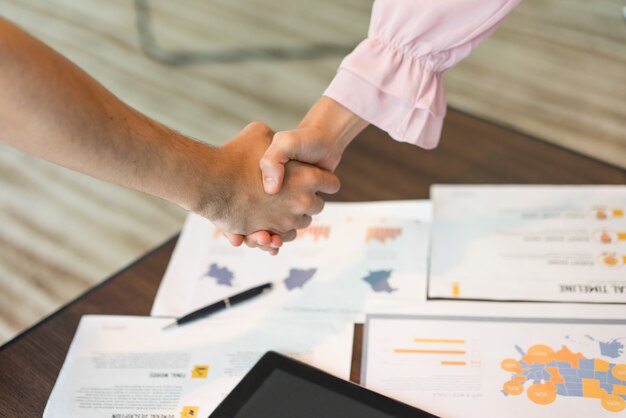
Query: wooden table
(373,168)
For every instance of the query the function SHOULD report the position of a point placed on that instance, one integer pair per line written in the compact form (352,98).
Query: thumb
(273,161)
(306,145)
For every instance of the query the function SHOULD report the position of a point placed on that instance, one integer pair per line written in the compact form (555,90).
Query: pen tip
(168,326)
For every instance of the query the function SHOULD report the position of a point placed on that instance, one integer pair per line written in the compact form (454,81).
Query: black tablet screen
(283,395)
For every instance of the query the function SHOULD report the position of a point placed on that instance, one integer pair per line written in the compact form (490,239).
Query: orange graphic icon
(607,236)
(511,365)
(542,393)
(200,372)
(619,372)
(316,231)
(603,213)
(611,259)
(514,386)
(456,289)
(189,412)
(382,234)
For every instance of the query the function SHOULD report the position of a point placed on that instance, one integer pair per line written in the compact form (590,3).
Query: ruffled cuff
(393,90)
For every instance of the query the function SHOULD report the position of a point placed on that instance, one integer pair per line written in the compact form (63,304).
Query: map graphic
(565,373)
(378,280)
(222,275)
(298,277)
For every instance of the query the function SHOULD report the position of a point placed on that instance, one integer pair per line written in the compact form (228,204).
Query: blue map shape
(298,277)
(378,281)
(612,348)
(222,275)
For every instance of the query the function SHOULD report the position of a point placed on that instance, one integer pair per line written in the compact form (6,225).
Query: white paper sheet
(122,366)
(352,252)
(500,366)
(542,243)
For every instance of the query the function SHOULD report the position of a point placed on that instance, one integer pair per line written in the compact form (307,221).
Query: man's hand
(243,207)
(52,109)
(321,139)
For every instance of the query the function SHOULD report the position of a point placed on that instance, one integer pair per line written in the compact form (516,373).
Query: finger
(303,222)
(272,164)
(316,207)
(258,128)
(261,238)
(266,249)
(327,182)
(289,235)
(235,239)
(277,241)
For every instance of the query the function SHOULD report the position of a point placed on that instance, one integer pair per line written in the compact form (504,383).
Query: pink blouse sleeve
(393,79)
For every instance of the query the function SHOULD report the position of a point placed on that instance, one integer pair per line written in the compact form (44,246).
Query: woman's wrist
(338,123)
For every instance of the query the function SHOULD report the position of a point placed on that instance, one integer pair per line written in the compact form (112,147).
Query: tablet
(280,387)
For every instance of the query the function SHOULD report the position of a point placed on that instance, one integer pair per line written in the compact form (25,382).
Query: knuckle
(305,203)
(286,141)
(306,221)
(289,236)
(261,129)
(290,222)
(316,177)
(320,206)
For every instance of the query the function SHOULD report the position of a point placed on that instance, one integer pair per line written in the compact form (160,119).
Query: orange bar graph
(316,231)
(437,341)
(382,234)
(414,351)
(453,363)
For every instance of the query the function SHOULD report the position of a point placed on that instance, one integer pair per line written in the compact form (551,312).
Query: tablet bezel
(272,360)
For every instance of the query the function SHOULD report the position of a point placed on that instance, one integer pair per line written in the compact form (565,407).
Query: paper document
(514,367)
(351,252)
(542,243)
(122,366)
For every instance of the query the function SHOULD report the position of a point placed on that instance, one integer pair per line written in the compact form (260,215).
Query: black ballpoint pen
(222,304)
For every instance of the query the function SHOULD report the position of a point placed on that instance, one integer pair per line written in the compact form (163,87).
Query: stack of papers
(396,265)
(351,255)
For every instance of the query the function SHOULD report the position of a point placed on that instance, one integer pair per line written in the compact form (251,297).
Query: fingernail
(269,181)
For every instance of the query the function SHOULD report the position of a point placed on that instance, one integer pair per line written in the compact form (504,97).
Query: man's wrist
(200,180)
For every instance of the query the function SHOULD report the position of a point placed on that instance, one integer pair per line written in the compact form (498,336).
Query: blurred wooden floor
(556,69)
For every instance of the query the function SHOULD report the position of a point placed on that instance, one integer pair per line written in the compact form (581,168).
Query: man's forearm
(52,109)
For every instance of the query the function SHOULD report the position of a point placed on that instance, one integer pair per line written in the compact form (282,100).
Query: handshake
(270,183)
(259,187)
